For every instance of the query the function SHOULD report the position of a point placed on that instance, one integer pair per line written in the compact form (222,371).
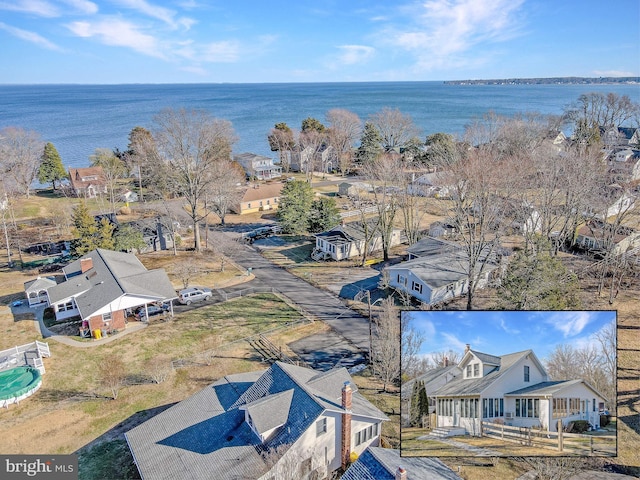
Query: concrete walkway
(65,339)
(473,450)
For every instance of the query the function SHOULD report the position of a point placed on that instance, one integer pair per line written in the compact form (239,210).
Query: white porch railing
(29,354)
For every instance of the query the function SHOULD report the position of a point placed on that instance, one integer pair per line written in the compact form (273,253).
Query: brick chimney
(85,264)
(467,347)
(401,474)
(347,394)
(446,361)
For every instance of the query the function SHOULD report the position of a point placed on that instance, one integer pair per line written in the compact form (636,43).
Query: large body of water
(77,119)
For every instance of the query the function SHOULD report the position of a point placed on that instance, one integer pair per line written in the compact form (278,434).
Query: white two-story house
(284,422)
(516,389)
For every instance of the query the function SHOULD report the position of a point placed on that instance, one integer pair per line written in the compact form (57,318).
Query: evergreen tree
(51,168)
(537,280)
(295,206)
(310,123)
(90,234)
(324,215)
(126,238)
(419,403)
(370,144)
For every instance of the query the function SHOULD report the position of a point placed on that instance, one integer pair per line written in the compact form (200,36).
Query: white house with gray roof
(259,425)
(102,285)
(514,389)
(438,271)
(351,239)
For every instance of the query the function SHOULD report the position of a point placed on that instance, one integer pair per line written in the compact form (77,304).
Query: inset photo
(508,383)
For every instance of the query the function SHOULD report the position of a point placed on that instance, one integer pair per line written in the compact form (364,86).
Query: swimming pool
(17,384)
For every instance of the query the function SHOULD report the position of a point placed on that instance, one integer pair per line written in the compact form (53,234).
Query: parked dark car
(152,310)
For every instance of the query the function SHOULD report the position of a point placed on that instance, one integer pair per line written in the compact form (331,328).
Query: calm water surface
(77,119)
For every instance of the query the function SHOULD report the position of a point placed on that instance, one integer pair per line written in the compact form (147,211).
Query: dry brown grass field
(71,412)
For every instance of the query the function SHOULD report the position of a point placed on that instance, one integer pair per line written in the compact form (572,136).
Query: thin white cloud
(445,31)
(83,6)
(227,51)
(41,8)
(507,329)
(353,54)
(424,326)
(452,342)
(614,73)
(163,14)
(31,37)
(114,31)
(570,323)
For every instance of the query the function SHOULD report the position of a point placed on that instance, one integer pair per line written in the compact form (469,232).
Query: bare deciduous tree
(386,175)
(345,128)
(223,193)
(112,375)
(186,269)
(159,368)
(20,158)
(445,358)
(412,340)
(191,142)
(282,139)
(395,128)
(386,344)
(113,169)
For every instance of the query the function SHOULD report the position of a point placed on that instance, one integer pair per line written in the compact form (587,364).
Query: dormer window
(526,373)
(469,371)
(476,369)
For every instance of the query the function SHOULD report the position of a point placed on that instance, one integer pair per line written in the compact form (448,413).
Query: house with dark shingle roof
(102,285)
(87,182)
(514,389)
(386,464)
(283,422)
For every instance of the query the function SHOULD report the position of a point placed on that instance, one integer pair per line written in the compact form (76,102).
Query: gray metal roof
(377,463)
(206,437)
(475,386)
(113,275)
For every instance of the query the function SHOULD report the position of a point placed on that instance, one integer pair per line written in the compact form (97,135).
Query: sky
(501,332)
(258,41)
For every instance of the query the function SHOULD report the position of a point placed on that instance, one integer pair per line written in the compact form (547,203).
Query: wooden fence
(570,443)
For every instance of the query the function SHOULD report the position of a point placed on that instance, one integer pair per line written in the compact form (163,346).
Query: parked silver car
(194,294)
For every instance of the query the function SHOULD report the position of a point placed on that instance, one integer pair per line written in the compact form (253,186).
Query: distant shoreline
(548,81)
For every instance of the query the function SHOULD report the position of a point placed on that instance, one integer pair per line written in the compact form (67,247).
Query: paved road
(322,305)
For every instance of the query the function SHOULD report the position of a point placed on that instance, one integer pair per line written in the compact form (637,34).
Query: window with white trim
(321,426)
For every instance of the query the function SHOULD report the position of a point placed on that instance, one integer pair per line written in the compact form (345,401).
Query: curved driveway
(322,305)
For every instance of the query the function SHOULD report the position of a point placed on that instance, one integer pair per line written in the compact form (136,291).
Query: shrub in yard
(605,420)
(125,211)
(580,426)
(49,315)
